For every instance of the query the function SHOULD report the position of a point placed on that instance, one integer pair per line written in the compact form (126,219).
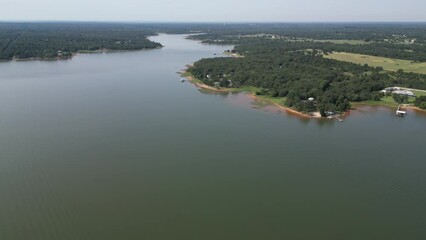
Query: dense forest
(401,41)
(61,40)
(299,72)
(413,52)
(369,32)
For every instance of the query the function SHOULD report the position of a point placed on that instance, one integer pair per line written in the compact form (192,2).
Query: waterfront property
(399,91)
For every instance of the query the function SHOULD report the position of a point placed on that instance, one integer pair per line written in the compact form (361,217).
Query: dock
(401,112)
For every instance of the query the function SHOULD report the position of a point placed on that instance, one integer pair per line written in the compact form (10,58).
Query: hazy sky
(214,10)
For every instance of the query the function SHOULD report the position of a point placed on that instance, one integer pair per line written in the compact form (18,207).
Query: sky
(214,10)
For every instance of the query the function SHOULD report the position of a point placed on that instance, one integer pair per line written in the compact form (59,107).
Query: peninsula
(301,68)
(44,41)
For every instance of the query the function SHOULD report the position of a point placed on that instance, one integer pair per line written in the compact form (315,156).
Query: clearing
(387,63)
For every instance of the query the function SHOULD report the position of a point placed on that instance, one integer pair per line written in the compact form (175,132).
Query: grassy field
(344,41)
(335,41)
(387,63)
(419,93)
(276,100)
(386,101)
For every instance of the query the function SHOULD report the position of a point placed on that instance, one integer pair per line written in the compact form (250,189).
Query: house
(230,83)
(391,89)
(405,92)
(399,91)
(330,114)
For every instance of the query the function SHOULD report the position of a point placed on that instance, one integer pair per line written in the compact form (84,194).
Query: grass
(385,101)
(343,41)
(236,55)
(387,63)
(335,41)
(419,93)
(277,100)
(244,89)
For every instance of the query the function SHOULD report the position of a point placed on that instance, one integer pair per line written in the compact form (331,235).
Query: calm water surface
(113,146)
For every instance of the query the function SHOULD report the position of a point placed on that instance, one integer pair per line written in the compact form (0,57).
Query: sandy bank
(199,84)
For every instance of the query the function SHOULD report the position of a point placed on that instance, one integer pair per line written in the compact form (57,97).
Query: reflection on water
(248,101)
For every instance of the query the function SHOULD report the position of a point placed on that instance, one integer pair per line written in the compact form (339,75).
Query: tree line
(51,40)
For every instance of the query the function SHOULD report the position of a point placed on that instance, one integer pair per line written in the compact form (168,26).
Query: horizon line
(201,22)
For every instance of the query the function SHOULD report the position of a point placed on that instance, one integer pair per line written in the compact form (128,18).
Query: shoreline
(192,80)
(284,108)
(315,115)
(415,108)
(355,105)
(74,54)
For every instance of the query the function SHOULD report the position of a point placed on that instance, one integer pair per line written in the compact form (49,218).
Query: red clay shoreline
(251,95)
(316,115)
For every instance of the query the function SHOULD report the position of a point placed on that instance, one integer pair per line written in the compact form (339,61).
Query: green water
(113,146)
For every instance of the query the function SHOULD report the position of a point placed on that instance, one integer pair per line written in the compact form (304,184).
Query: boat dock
(400,111)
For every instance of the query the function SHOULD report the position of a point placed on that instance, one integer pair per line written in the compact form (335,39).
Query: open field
(417,92)
(387,63)
(386,101)
(344,41)
(335,41)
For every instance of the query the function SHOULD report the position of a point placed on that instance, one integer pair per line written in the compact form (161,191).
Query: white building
(405,92)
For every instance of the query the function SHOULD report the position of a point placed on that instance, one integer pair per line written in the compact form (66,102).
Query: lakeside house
(405,92)
(399,91)
(391,89)
(330,114)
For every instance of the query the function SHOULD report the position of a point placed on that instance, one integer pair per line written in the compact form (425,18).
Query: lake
(114,146)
